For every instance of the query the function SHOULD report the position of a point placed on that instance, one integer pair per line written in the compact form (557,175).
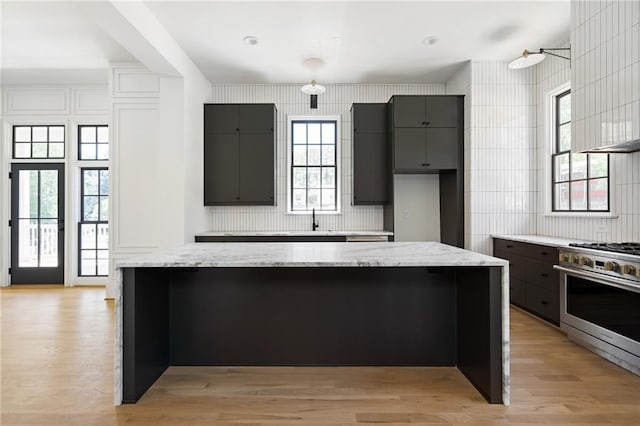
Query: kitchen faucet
(314,224)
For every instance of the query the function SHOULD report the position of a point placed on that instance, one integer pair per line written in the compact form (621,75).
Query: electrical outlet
(601,228)
(405,214)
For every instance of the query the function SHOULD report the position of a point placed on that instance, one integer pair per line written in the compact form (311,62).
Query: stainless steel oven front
(602,313)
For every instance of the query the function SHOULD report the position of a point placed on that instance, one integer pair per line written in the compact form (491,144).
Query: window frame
(96,223)
(14,127)
(291,119)
(556,124)
(96,143)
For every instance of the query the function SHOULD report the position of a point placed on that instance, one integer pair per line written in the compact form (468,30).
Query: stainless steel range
(600,299)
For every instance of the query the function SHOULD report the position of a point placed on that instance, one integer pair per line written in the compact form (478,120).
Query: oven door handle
(606,280)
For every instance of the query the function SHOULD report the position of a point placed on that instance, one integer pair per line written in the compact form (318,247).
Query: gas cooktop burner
(626,248)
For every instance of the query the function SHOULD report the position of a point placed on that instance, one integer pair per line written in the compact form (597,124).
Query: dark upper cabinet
(410,150)
(256,152)
(221,177)
(409,111)
(442,111)
(256,118)
(370,157)
(239,154)
(369,118)
(221,118)
(427,133)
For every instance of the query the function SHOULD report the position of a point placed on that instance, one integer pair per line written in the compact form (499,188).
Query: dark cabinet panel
(409,111)
(256,118)
(517,292)
(534,284)
(221,118)
(442,111)
(239,154)
(545,303)
(256,152)
(370,154)
(442,148)
(221,172)
(409,149)
(369,118)
(370,168)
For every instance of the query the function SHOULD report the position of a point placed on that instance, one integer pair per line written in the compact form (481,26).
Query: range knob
(585,261)
(564,257)
(573,258)
(628,269)
(611,266)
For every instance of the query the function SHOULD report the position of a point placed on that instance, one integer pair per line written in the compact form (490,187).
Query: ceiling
(359,42)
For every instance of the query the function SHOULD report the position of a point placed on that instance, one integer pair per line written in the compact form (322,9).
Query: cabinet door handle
(426,123)
(428,164)
(544,253)
(509,246)
(544,302)
(237,129)
(237,198)
(545,275)
(424,164)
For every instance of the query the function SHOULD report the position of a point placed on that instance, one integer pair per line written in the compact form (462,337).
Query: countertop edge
(544,240)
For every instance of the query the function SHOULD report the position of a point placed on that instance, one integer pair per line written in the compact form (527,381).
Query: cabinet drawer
(543,253)
(543,274)
(517,264)
(545,303)
(508,246)
(517,292)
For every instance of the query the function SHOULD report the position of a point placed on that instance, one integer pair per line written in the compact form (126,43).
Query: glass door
(37,223)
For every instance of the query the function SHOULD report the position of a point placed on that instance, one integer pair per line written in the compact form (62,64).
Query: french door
(37,223)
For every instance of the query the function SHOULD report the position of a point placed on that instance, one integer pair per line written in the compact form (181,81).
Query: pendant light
(313,90)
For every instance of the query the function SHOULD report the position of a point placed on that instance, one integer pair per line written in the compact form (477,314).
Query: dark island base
(329,316)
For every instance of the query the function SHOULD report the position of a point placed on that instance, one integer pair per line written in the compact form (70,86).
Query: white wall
(605,80)
(51,104)
(290,101)
(500,163)
(416,204)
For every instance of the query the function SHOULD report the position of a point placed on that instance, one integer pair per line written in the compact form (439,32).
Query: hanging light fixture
(313,90)
(529,59)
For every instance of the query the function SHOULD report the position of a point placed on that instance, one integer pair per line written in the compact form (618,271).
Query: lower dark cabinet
(533,283)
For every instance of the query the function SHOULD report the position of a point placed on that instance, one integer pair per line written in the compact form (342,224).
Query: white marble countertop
(292,233)
(539,239)
(376,254)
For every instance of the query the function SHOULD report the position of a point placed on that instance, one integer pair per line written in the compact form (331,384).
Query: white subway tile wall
(605,73)
(500,163)
(290,100)
(605,80)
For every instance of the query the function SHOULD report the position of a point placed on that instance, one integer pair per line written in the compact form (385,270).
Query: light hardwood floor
(57,362)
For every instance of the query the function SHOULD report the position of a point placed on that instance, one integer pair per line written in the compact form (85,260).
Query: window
(93,226)
(38,141)
(93,142)
(314,165)
(580,181)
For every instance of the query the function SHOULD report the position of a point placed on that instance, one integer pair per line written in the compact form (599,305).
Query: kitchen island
(300,304)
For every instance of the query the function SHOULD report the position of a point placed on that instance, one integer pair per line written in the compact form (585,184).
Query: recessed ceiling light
(250,40)
(429,41)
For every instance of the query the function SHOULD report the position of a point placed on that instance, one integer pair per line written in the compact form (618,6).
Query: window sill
(594,215)
(318,213)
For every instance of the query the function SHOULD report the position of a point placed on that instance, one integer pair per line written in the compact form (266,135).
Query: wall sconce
(529,59)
